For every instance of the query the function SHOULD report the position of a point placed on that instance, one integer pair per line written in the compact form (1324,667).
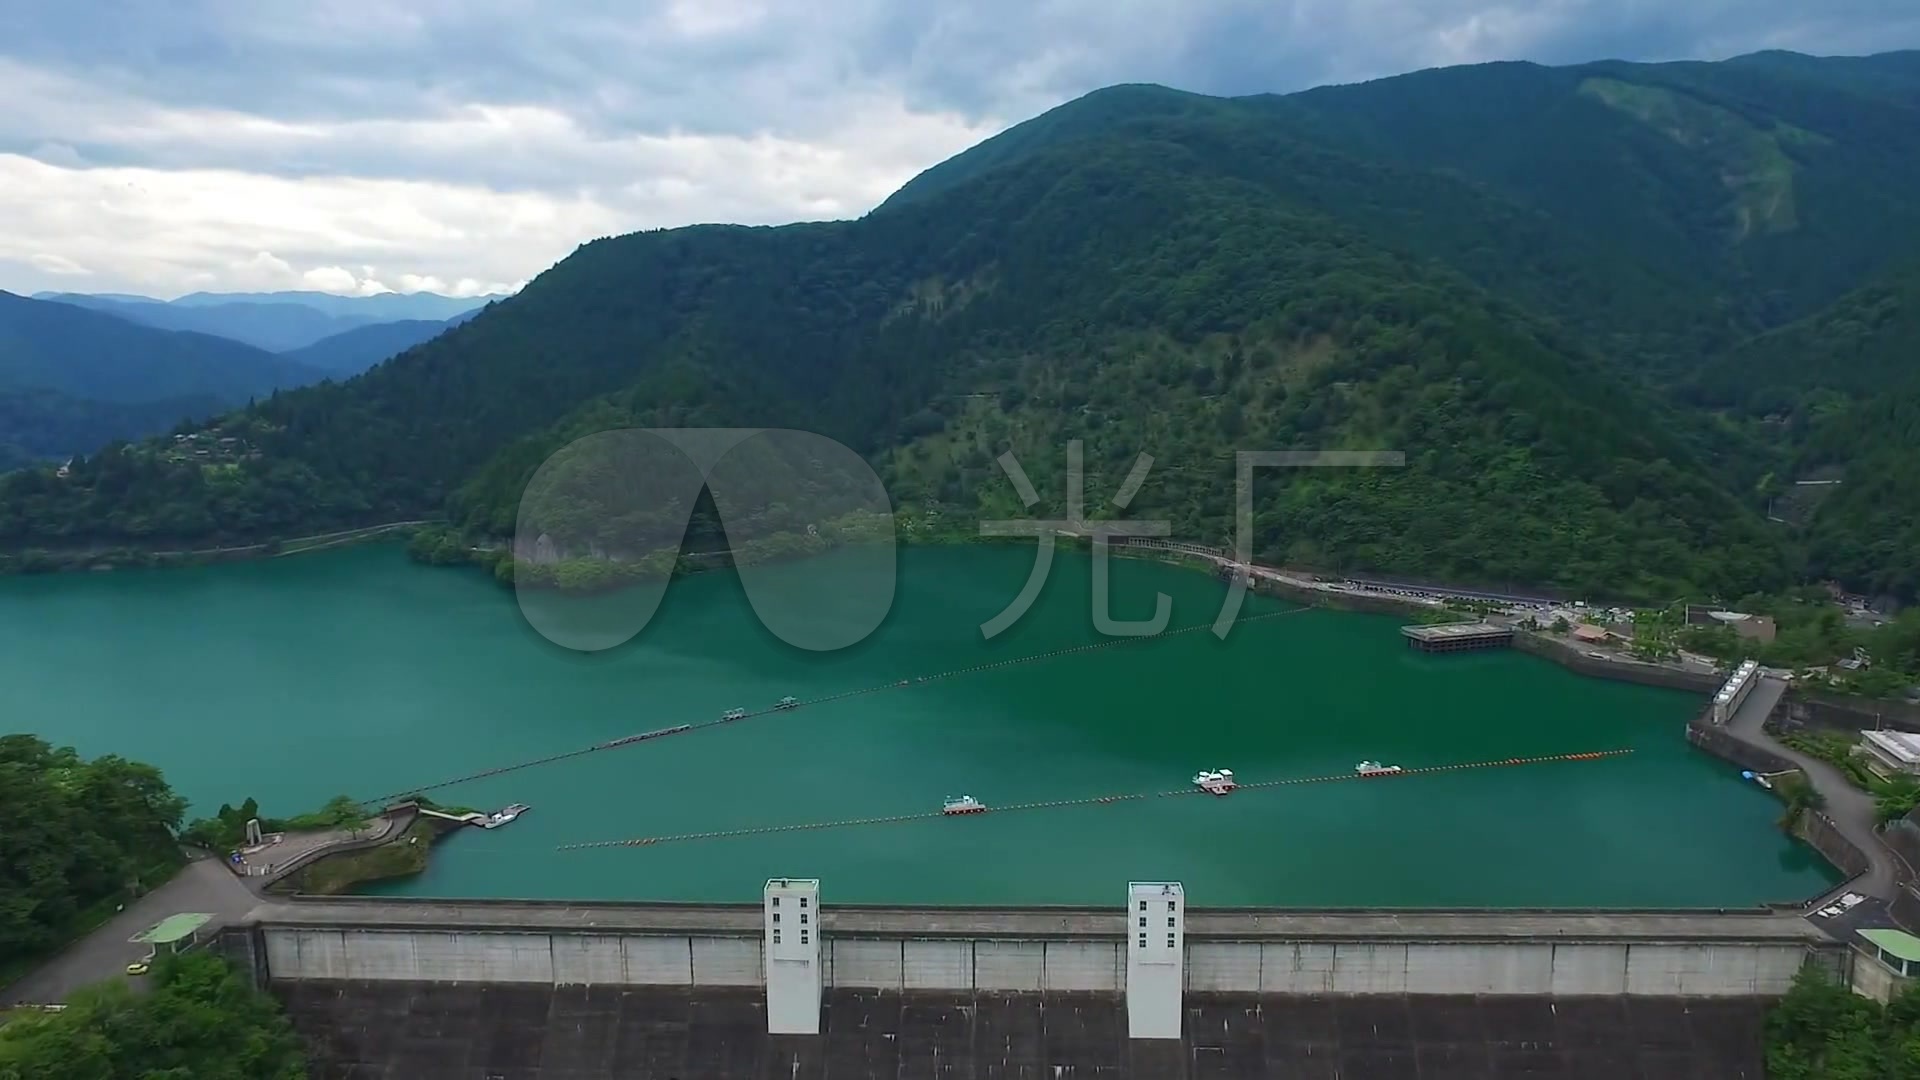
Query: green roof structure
(172,929)
(1895,943)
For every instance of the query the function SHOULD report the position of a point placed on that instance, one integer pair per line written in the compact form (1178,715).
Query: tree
(74,835)
(1821,1030)
(200,1021)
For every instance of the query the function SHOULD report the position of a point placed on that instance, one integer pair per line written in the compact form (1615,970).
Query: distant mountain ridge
(273,327)
(72,379)
(94,356)
(351,352)
(380,307)
(277,322)
(78,371)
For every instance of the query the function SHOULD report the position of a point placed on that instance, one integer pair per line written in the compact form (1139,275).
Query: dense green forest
(199,1019)
(79,837)
(73,380)
(1838,394)
(1822,1030)
(1585,302)
(37,425)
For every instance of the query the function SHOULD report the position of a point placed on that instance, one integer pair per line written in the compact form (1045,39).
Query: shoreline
(39,561)
(1620,668)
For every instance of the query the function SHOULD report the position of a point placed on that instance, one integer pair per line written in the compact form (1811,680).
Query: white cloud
(469,199)
(56,264)
(344,282)
(467,143)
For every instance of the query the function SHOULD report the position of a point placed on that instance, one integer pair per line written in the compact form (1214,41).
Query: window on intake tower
(803,901)
(776,937)
(803,937)
(803,918)
(776,901)
(1143,905)
(776,916)
(1169,922)
(1143,941)
(1169,941)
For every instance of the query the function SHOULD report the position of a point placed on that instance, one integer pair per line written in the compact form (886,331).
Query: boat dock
(1458,637)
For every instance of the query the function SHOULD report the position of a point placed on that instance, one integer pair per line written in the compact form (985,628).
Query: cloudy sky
(463,146)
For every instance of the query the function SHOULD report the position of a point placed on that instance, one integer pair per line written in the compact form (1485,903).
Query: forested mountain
(72,380)
(1839,394)
(356,350)
(97,357)
(38,426)
(1522,277)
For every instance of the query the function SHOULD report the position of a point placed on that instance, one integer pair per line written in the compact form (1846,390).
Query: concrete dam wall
(1252,967)
(420,990)
(1039,950)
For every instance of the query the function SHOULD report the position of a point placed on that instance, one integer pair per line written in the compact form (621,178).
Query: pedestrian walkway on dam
(1851,809)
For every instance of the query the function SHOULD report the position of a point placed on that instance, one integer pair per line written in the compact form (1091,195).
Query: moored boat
(1375,768)
(504,817)
(962,804)
(1214,781)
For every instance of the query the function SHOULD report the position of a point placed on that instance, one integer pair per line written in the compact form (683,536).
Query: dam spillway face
(467,1031)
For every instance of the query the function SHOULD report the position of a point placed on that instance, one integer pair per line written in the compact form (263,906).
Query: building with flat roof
(1891,753)
(1457,637)
(1898,950)
(172,933)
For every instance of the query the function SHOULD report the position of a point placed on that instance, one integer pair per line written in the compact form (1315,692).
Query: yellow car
(138,967)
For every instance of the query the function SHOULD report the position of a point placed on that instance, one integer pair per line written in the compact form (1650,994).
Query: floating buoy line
(1092,800)
(789,704)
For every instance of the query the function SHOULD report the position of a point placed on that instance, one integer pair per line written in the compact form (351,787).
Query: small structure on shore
(171,932)
(1457,637)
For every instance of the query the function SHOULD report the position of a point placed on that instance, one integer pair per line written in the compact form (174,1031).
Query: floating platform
(1458,637)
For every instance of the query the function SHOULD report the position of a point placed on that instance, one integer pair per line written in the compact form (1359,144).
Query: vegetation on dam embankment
(341,872)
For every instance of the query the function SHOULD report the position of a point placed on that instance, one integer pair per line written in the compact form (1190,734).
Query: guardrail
(275,872)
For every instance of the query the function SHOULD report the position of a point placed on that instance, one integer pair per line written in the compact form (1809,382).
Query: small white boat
(787,703)
(733,714)
(962,804)
(1214,781)
(505,817)
(1375,768)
